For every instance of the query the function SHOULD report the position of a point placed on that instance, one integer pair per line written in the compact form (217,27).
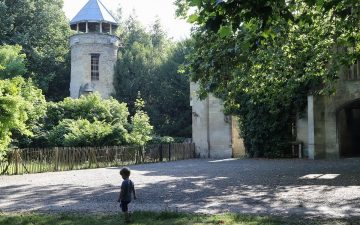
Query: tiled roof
(93,11)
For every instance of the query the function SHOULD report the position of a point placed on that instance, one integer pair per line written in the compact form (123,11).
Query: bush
(162,140)
(82,132)
(90,121)
(141,130)
(91,107)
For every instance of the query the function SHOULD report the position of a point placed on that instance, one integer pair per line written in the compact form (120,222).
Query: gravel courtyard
(289,187)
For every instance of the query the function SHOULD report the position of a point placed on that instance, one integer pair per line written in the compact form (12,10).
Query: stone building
(330,127)
(93,50)
(215,134)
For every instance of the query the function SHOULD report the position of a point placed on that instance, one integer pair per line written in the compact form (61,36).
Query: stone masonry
(82,46)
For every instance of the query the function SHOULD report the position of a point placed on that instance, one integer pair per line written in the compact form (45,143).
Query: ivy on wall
(264,59)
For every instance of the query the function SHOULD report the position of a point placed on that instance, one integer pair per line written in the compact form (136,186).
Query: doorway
(348,120)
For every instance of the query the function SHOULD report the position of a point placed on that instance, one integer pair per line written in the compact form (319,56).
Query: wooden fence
(19,161)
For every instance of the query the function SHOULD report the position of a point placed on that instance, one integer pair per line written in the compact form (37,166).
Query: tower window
(95,66)
(106,28)
(82,27)
(94,27)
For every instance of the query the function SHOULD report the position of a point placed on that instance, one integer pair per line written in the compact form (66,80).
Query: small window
(93,27)
(73,26)
(106,28)
(95,66)
(82,27)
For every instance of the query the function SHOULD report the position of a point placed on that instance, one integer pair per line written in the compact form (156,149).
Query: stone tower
(93,50)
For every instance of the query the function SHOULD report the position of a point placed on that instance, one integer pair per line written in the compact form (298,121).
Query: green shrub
(85,133)
(21,107)
(141,130)
(162,140)
(91,107)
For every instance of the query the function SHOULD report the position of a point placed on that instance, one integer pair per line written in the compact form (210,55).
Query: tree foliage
(21,107)
(41,28)
(90,107)
(12,61)
(148,62)
(141,131)
(82,132)
(90,121)
(263,58)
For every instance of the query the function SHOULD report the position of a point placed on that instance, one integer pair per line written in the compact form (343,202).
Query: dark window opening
(106,28)
(114,27)
(95,67)
(73,26)
(82,27)
(94,27)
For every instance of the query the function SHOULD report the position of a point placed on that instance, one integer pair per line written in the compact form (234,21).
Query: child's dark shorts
(124,206)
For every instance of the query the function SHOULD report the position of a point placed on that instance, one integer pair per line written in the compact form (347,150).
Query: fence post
(169,147)
(160,153)
(89,156)
(16,154)
(138,155)
(56,159)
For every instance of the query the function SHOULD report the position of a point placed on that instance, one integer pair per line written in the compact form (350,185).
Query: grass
(164,218)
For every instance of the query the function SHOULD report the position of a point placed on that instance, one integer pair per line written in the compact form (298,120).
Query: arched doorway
(348,120)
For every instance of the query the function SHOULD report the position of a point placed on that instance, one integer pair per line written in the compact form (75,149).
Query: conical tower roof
(93,11)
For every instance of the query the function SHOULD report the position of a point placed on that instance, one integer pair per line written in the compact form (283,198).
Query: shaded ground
(274,187)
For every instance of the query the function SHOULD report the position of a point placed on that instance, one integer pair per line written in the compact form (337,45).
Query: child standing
(127,188)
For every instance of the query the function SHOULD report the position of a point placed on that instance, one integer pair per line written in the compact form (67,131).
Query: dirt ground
(288,187)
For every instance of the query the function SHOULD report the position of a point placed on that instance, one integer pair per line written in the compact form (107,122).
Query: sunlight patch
(222,160)
(320,176)
(329,176)
(190,190)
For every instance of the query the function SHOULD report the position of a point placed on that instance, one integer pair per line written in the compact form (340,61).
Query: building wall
(302,132)
(323,121)
(199,122)
(238,147)
(220,130)
(212,131)
(82,46)
(347,92)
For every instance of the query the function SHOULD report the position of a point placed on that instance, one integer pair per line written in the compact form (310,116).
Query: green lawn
(165,218)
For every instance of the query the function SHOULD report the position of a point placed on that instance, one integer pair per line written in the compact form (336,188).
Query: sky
(146,11)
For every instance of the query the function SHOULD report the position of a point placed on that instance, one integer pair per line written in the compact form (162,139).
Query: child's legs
(124,206)
(125,209)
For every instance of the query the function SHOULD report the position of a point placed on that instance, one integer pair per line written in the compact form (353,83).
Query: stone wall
(319,129)
(215,135)
(82,46)
(199,123)
(238,147)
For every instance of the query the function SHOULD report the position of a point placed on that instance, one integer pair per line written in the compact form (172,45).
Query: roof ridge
(106,9)
(94,10)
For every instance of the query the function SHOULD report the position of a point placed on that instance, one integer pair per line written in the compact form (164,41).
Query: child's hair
(125,172)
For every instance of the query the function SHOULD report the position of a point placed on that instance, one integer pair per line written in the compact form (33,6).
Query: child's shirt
(127,188)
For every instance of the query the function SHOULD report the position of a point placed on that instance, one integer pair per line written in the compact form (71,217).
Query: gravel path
(278,187)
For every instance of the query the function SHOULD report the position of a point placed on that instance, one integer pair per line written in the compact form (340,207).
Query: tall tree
(263,57)
(148,63)
(12,61)
(22,105)
(41,28)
